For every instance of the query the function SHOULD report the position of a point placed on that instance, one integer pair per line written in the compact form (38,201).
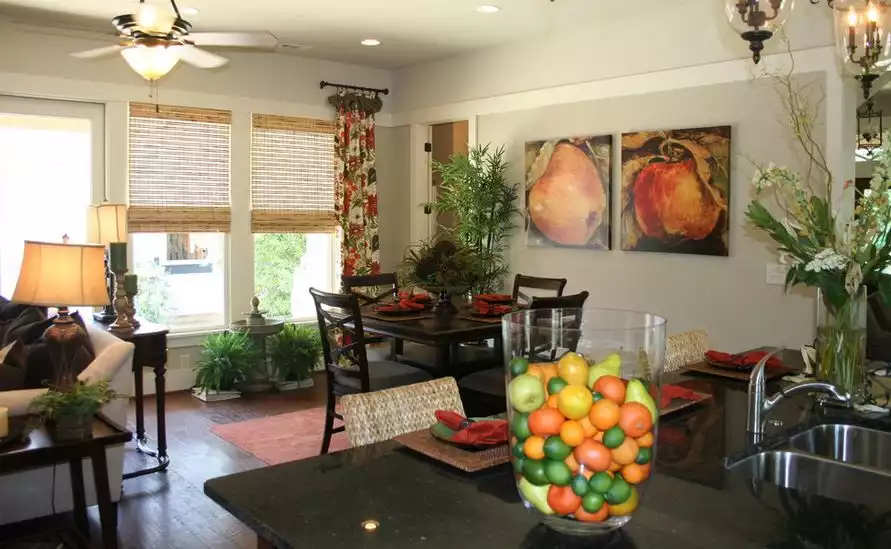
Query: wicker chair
(382,415)
(685,349)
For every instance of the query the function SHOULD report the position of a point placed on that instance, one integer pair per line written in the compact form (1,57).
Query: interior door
(447,140)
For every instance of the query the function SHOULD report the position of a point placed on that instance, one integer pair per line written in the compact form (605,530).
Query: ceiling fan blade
(200,58)
(98,52)
(234,39)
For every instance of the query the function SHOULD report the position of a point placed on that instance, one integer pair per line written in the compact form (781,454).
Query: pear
(567,203)
(611,366)
(637,392)
(536,495)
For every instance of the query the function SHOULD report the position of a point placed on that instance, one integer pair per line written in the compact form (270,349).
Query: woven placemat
(486,319)
(467,460)
(396,318)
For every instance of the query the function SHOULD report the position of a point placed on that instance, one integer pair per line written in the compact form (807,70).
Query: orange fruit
(633,473)
(572,433)
(611,387)
(552,402)
(588,427)
(587,473)
(548,371)
(604,414)
(645,470)
(546,422)
(645,441)
(635,419)
(593,455)
(613,467)
(533,447)
(626,453)
(563,500)
(535,370)
(573,465)
(599,436)
(600,516)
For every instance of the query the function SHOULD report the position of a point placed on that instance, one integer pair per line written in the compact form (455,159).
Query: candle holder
(131,310)
(121,305)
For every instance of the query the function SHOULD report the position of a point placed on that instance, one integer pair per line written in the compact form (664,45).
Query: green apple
(536,495)
(526,393)
(637,392)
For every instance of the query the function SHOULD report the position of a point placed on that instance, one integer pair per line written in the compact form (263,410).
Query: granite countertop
(691,501)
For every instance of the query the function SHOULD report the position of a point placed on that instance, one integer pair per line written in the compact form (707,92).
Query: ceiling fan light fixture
(154,20)
(151,62)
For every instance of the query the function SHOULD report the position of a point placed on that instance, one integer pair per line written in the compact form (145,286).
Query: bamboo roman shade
(292,175)
(179,169)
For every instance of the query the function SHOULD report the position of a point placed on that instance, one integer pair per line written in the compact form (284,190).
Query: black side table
(150,341)
(42,451)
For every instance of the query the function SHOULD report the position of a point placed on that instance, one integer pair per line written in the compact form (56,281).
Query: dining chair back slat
(523,282)
(381,286)
(343,347)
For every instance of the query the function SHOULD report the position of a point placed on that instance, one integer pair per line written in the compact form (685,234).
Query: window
(292,212)
(179,213)
(42,200)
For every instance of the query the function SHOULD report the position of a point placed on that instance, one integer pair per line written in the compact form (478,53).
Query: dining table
(386,495)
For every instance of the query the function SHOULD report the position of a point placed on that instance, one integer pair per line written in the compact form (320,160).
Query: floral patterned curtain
(355,198)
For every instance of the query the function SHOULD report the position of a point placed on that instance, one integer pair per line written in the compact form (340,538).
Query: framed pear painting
(568,192)
(676,191)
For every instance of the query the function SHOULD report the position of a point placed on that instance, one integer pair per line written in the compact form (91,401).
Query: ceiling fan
(154,39)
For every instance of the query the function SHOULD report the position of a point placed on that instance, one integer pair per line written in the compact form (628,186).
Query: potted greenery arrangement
(69,413)
(475,190)
(294,352)
(442,267)
(226,358)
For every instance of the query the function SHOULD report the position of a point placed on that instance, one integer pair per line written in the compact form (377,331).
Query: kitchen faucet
(759,406)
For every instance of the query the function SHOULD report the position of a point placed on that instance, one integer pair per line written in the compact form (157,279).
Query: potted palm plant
(69,413)
(294,352)
(226,359)
(475,191)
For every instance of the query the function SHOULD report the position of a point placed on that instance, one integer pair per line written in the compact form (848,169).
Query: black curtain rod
(323,84)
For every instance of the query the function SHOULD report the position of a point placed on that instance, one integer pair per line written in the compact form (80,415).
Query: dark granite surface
(690,502)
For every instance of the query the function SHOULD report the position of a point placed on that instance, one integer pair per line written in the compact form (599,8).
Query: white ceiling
(410,31)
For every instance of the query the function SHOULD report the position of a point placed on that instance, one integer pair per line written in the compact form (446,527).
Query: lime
(534,471)
(613,438)
(556,384)
(521,426)
(644,455)
(597,396)
(592,502)
(557,472)
(518,450)
(556,449)
(600,482)
(518,464)
(580,485)
(619,492)
(518,366)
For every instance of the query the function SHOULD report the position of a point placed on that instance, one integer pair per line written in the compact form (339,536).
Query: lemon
(627,507)
(575,401)
(573,368)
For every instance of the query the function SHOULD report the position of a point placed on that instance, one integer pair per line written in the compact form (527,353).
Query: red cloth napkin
(744,359)
(474,433)
(671,392)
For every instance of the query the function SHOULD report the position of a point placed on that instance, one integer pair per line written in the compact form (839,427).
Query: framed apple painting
(676,190)
(568,192)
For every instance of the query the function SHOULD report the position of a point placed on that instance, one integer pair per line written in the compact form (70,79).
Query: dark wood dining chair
(483,392)
(523,282)
(347,368)
(371,290)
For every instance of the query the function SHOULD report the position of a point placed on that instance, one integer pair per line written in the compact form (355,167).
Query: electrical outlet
(184,361)
(776,274)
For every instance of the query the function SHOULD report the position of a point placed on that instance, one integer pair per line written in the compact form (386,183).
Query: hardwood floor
(170,510)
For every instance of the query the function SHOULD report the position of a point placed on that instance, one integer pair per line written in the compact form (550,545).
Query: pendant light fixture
(869,128)
(757,20)
(861,38)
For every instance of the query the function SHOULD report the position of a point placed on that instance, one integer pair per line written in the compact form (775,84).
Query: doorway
(447,140)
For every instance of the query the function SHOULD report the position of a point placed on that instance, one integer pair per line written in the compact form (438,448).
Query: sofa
(27,495)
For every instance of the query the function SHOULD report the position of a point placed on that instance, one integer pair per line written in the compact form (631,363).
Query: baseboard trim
(176,380)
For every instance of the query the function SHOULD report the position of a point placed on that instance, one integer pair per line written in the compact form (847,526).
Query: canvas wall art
(676,191)
(568,184)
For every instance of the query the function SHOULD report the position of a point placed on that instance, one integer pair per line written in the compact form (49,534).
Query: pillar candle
(4,422)
(117,254)
(130,284)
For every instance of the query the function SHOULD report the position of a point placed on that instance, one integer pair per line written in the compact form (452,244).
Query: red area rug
(282,438)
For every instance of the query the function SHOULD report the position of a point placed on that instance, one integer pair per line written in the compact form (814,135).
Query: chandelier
(862,39)
(757,20)
(869,128)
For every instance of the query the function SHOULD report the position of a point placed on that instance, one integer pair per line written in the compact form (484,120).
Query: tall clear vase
(841,344)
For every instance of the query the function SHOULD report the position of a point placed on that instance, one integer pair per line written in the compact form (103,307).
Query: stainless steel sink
(847,444)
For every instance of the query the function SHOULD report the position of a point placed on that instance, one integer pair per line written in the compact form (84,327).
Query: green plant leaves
(226,359)
(80,400)
(295,351)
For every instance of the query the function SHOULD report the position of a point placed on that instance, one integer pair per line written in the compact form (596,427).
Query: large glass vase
(841,344)
(582,399)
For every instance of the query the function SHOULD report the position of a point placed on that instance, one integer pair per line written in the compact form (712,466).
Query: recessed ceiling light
(186,10)
(371,42)
(488,9)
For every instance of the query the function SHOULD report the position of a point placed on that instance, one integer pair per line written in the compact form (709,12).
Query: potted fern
(294,352)
(69,413)
(226,359)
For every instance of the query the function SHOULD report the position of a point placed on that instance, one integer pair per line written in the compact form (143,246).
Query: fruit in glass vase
(526,393)
(573,368)
(636,391)
(575,401)
(568,201)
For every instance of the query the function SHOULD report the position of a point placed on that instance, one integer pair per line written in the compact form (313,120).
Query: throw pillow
(12,367)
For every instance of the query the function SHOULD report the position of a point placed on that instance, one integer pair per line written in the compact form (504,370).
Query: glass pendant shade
(153,19)
(757,20)
(151,62)
(861,36)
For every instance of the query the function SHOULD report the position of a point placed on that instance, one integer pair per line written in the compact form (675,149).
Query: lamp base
(105,316)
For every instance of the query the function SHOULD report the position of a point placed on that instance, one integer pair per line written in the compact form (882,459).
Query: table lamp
(107,224)
(62,275)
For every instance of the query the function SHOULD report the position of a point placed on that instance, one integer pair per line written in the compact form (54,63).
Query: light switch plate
(776,274)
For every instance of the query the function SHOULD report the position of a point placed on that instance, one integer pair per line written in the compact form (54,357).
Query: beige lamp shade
(56,275)
(107,223)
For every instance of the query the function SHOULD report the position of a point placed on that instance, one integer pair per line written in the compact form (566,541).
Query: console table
(150,341)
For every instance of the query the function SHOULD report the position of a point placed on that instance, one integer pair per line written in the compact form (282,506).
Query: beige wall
(392,189)
(726,296)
